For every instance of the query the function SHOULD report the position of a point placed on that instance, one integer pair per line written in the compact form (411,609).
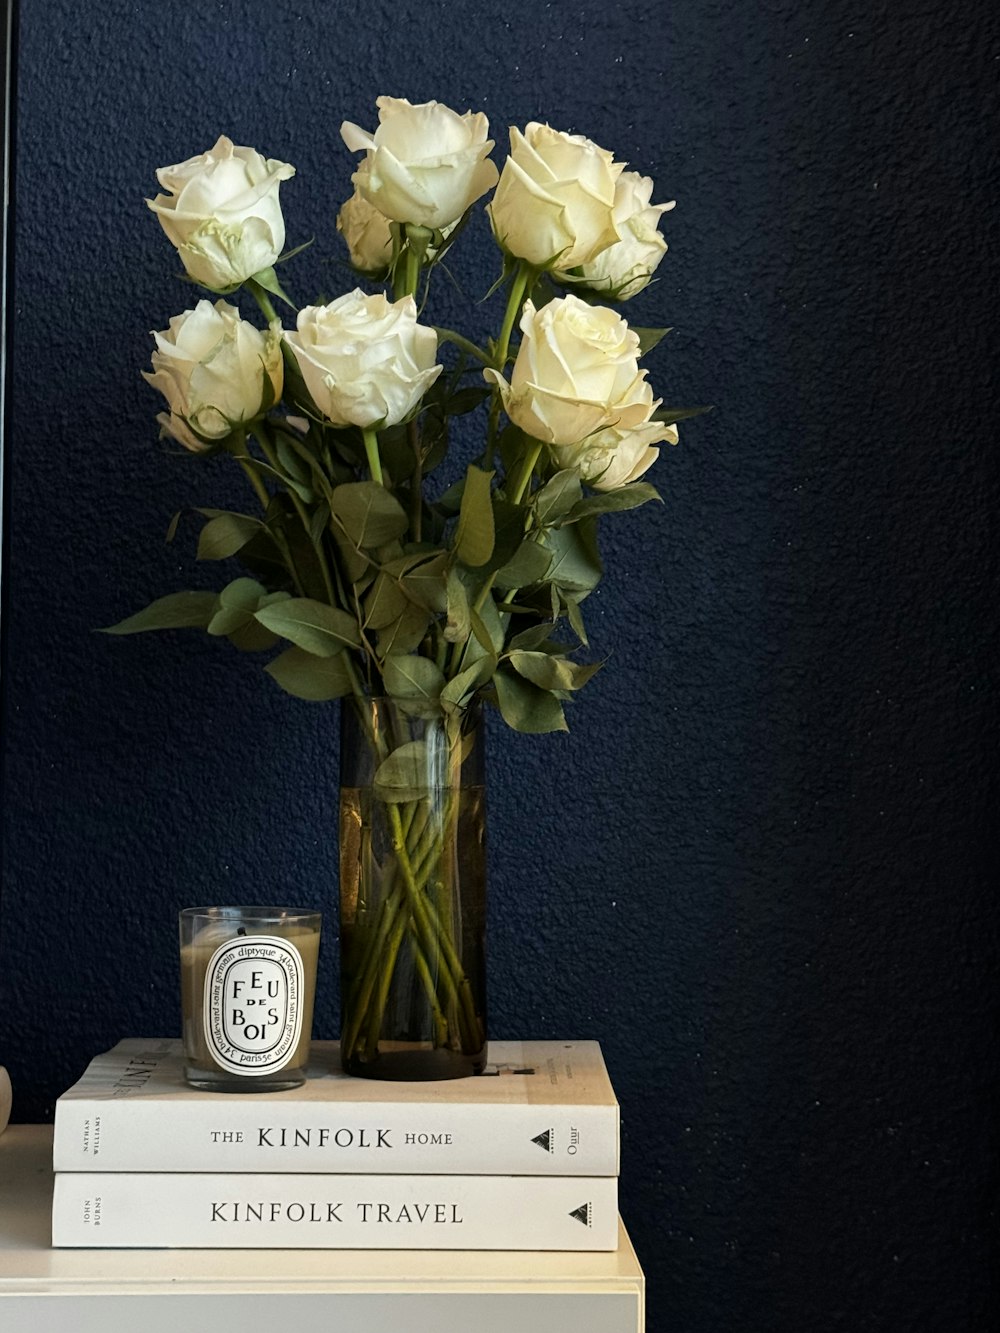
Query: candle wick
(242,930)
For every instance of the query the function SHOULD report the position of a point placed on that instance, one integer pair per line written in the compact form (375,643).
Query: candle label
(253,1004)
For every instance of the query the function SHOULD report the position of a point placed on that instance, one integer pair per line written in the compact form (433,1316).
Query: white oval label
(253,1004)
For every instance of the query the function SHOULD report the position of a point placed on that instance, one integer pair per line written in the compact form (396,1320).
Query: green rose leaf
(456,693)
(613,502)
(312,626)
(668,415)
(252,638)
(551,672)
(292,464)
(268,279)
(237,603)
(513,447)
(396,452)
(526,707)
(287,480)
(576,565)
(356,564)
(405,633)
(178,610)
(225,534)
(457,629)
(384,603)
(557,497)
(529,564)
(475,535)
(534,637)
(309,677)
(367,513)
(508,528)
(265,470)
(426,583)
(466,400)
(449,502)
(648,338)
(318,522)
(412,678)
(487,627)
(407,774)
(575,618)
(263,559)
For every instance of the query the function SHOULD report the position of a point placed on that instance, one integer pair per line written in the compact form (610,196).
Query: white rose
(555,200)
(576,372)
(368,237)
(424,164)
(222,213)
(216,372)
(613,457)
(365,360)
(366,233)
(625,268)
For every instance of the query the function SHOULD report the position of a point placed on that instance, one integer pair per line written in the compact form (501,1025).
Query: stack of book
(524,1157)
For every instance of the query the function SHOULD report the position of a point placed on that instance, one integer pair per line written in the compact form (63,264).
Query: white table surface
(278,1289)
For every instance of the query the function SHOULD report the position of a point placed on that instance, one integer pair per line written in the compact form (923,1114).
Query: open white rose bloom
(554,204)
(365,360)
(424,164)
(625,268)
(385,553)
(217,373)
(576,372)
(367,235)
(221,211)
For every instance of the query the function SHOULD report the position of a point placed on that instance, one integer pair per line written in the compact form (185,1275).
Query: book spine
(248,1134)
(250,1211)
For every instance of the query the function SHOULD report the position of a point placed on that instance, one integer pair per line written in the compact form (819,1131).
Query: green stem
(470,348)
(515,300)
(256,483)
(380,952)
(374,959)
(531,458)
(434,938)
(404,907)
(296,443)
(419,843)
(437,1014)
(267,445)
(276,533)
(382,977)
(412,272)
(263,300)
(416,482)
(371,450)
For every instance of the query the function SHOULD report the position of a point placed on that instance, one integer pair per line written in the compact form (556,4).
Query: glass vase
(412,890)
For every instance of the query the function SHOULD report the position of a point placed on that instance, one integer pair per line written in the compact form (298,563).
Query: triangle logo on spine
(544,1140)
(582,1214)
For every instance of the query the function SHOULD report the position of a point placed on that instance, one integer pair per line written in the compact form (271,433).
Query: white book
(241,1210)
(545,1108)
(311,1291)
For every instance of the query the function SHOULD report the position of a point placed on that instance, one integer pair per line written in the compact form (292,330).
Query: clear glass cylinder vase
(412,890)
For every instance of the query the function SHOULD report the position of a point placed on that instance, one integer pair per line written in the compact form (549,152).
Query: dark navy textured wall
(761,868)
